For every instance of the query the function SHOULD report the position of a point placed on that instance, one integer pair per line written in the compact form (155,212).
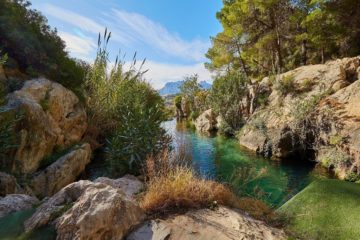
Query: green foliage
(286,85)
(336,140)
(126,109)
(261,38)
(177,101)
(35,48)
(335,157)
(8,136)
(226,98)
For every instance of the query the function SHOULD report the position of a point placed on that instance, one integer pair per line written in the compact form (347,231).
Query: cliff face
(310,110)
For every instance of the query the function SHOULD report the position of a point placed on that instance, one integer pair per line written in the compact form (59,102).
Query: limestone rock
(128,184)
(7,184)
(339,118)
(206,122)
(16,202)
(62,172)
(271,129)
(87,210)
(221,224)
(52,117)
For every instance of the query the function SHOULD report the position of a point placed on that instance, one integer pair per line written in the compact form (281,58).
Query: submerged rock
(87,210)
(16,202)
(51,117)
(62,172)
(221,224)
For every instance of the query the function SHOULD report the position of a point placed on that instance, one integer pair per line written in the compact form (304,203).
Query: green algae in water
(12,227)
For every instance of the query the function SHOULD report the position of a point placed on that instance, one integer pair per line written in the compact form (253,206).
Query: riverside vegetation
(266,93)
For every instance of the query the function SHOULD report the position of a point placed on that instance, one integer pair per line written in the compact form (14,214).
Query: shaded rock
(52,117)
(206,122)
(128,184)
(7,184)
(62,172)
(205,224)
(16,202)
(87,210)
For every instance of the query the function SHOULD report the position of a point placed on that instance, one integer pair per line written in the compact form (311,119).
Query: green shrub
(177,101)
(226,97)
(286,85)
(335,157)
(126,109)
(8,136)
(336,140)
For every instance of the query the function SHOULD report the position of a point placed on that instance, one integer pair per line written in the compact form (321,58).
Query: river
(222,159)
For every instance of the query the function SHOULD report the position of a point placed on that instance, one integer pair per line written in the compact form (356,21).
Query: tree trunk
(322,55)
(304,52)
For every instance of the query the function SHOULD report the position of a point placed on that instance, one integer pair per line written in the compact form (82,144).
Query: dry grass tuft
(181,189)
(172,186)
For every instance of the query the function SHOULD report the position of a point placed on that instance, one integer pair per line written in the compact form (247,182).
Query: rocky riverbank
(311,112)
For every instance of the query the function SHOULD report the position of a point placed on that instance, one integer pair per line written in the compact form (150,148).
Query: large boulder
(221,224)
(16,202)
(128,184)
(206,122)
(62,172)
(51,117)
(273,129)
(8,184)
(87,210)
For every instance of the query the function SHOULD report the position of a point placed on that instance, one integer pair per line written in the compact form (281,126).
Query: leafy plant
(335,157)
(126,109)
(285,85)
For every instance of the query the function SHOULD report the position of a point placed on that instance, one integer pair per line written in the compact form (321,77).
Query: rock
(7,184)
(87,210)
(339,118)
(16,202)
(206,122)
(62,172)
(52,117)
(272,129)
(221,224)
(128,184)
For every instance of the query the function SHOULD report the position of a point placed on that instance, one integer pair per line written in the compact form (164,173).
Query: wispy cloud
(161,73)
(79,46)
(155,35)
(81,22)
(130,28)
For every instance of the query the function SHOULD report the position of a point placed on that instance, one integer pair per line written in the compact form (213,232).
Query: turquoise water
(221,158)
(12,228)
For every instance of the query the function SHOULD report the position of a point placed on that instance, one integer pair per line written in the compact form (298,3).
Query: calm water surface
(219,158)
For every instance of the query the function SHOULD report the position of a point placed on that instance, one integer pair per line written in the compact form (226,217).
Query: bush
(126,109)
(226,98)
(8,136)
(35,48)
(335,157)
(286,85)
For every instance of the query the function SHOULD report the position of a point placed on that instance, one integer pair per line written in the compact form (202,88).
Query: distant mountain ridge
(172,88)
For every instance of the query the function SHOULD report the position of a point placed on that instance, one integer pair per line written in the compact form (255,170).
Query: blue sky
(173,35)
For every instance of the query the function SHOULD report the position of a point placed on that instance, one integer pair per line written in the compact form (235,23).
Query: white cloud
(155,35)
(80,21)
(79,46)
(161,73)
